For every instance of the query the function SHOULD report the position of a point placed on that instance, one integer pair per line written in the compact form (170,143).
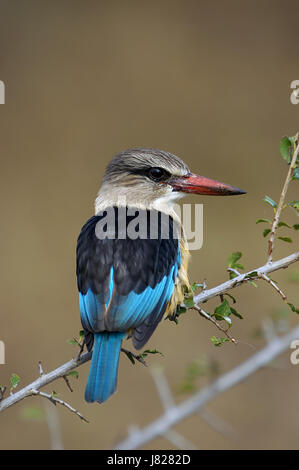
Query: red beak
(196,184)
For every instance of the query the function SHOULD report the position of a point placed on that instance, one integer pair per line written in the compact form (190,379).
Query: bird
(127,284)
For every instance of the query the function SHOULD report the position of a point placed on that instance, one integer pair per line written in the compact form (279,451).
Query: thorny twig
(56,400)
(281,202)
(215,322)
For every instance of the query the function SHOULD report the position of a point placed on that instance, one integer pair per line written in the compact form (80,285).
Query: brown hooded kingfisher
(127,283)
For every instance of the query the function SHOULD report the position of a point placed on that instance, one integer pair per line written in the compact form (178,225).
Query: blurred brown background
(208,81)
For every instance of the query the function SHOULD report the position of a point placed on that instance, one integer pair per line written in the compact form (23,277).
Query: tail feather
(102,378)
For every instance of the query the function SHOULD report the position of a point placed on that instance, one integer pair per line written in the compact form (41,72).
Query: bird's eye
(158,174)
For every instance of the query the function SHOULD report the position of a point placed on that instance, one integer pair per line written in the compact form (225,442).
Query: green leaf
(252,274)
(266,232)
(294,204)
(286,239)
(130,356)
(283,224)
(195,286)
(293,308)
(72,341)
(270,201)
(14,380)
(188,301)
(259,221)
(237,314)
(74,373)
(181,309)
(296,227)
(54,393)
(231,297)
(151,351)
(223,310)
(218,341)
(287,148)
(233,258)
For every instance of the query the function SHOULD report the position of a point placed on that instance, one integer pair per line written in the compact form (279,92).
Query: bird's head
(154,178)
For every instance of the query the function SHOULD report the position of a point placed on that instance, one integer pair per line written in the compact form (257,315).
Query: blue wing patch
(125,283)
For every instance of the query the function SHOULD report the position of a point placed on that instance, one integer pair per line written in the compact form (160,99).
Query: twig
(275,286)
(215,322)
(2,392)
(40,367)
(45,379)
(237,281)
(137,357)
(67,383)
(280,204)
(56,400)
(165,422)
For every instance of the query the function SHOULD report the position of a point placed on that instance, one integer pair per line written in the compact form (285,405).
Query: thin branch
(275,286)
(56,400)
(206,315)
(137,357)
(45,379)
(225,382)
(67,383)
(281,203)
(237,281)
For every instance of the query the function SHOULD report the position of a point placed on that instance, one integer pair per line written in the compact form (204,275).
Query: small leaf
(14,380)
(233,258)
(237,314)
(283,224)
(74,373)
(293,308)
(296,227)
(252,274)
(181,309)
(72,341)
(270,201)
(259,221)
(231,297)
(130,356)
(287,148)
(285,239)
(266,232)
(294,204)
(151,351)
(195,286)
(218,341)
(188,299)
(54,393)
(223,310)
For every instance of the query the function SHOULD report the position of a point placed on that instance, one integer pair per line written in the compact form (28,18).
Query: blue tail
(102,378)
